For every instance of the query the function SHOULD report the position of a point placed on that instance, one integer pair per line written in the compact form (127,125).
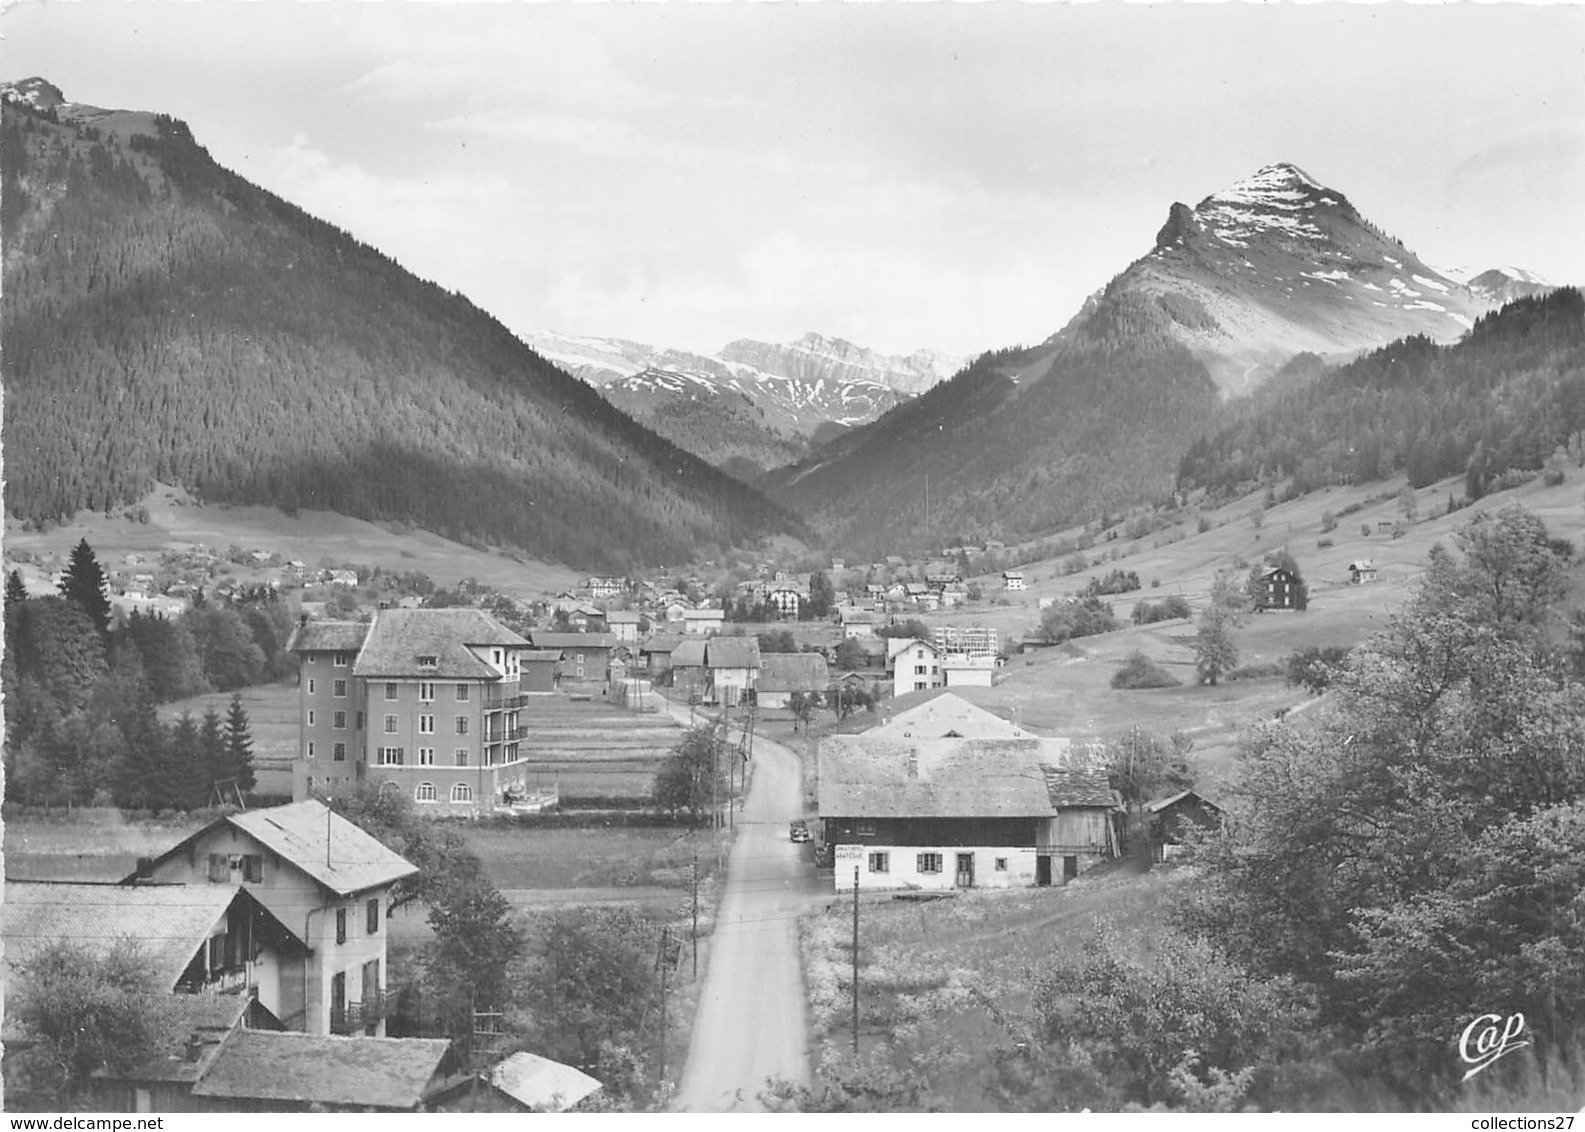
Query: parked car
(799,831)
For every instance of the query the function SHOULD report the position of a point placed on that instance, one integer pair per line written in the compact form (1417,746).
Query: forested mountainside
(1504,398)
(1022,440)
(165,320)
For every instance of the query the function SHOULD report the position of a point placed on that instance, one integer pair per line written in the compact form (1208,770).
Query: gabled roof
(703,614)
(1362,564)
(868,777)
(398,637)
(297,833)
(622,616)
(661,642)
(546,640)
(178,1021)
(1163,803)
(852,616)
(948,715)
(540,1083)
(327,636)
(793,672)
(896,646)
(386,1073)
(689,654)
(169,923)
(1086,786)
(524,656)
(731,652)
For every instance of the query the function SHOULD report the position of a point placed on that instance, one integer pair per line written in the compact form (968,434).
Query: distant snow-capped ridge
(799,385)
(1278,264)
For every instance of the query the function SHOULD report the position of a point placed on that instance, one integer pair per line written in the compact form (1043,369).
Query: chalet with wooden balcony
(196,940)
(310,867)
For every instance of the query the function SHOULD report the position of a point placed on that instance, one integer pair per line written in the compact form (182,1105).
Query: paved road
(752,1024)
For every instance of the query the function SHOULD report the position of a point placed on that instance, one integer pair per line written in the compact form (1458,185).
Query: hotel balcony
(353,1017)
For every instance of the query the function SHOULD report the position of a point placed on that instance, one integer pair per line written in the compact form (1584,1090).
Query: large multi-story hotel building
(427,699)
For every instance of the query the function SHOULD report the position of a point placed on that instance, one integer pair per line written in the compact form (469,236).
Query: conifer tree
(16,592)
(239,746)
(212,752)
(84,583)
(182,779)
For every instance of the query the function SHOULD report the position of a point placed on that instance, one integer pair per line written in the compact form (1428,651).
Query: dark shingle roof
(327,636)
(398,637)
(168,922)
(661,642)
(864,776)
(526,655)
(731,652)
(1079,786)
(793,672)
(386,1073)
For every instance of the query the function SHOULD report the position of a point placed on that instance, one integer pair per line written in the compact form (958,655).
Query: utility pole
(664,957)
(696,915)
(855,959)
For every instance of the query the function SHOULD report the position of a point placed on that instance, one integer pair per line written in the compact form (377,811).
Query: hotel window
(462,725)
(462,792)
(462,756)
(359,724)
(498,658)
(426,725)
(429,662)
(390,725)
(462,693)
(426,692)
(390,691)
(425,792)
(310,685)
(866,829)
(373,921)
(338,752)
(338,719)
(392,756)
(310,749)
(310,717)
(312,659)
(426,756)
(880,862)
(1001,864)
(341,925)
(339,689)
(340,660)
(929,862)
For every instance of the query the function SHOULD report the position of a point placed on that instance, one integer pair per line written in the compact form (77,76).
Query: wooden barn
(1170,818)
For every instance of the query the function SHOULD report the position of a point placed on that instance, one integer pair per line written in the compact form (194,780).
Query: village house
(654,652)
(782,673)
(430,699)
(688,672)
(734,664)
(200,940)
(953,595)
(523,1082)
(1171,818)
(537,670)
(948,716)
(585,657)
(599,587)
(1360,571)
(1012,579)
(1278,589)
(703,622)
(913,665)
(857,622)
(307,866)
(961,813)
(623,624)
(786,600)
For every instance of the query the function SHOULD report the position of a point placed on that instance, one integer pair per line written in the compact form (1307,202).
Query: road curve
(752,1022)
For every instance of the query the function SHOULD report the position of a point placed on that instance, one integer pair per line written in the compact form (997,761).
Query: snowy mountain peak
(1282,183)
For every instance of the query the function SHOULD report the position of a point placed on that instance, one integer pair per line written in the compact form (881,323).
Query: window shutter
(219,871)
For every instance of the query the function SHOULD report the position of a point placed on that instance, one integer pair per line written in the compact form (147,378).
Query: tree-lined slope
(165,320)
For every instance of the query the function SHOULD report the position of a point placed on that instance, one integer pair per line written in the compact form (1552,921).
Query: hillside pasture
(272,721)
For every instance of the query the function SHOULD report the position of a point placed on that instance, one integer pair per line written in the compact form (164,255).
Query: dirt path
(752,1022)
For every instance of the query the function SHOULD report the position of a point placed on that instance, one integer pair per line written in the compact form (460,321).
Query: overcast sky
(950,176)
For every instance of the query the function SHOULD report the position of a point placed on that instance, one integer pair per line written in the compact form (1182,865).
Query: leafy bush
(1315,667)
(1083,618)
(1257,671)
(1167,609)
(1139,671)
(1116,582)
